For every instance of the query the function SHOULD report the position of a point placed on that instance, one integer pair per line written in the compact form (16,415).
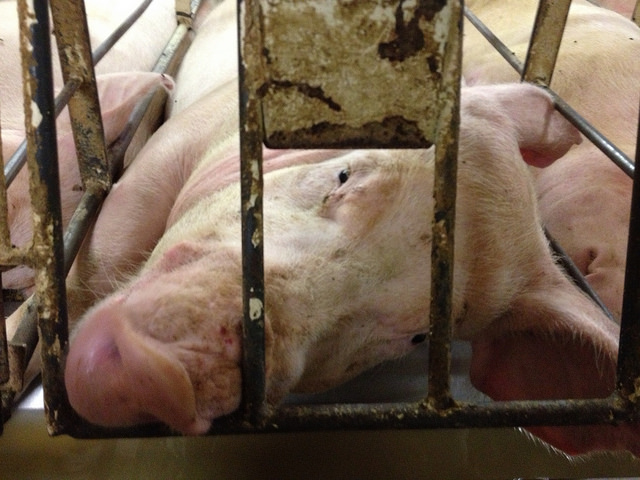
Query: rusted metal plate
(342,73)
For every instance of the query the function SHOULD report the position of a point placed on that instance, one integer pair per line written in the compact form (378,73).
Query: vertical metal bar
(72,37)
(635,16)
(629,350)
(45,194)
(444,193)
(545,41)
(253,373)
(4,352)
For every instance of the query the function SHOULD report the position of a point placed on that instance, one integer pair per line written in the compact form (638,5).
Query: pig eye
(343,176)
(421,337)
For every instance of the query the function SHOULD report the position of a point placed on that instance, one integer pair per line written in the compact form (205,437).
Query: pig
(137,50)
(216,37)
(119,93)
(346,267)
(623,7)
(135,53)
(584,199)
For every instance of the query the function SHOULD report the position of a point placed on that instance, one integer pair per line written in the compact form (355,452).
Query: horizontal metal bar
(417,415)
(599,140)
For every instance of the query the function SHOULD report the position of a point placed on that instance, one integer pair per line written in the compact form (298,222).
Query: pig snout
(117,377)
(146,356)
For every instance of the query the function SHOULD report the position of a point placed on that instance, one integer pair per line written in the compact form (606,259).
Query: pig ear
(543,134)
(552,347)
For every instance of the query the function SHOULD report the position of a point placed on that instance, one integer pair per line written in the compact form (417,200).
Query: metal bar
(599,140)
(19,157)
(72,37)
(4,352)
(629,351)
(545,41)
(17,160)
(110,41)
(45,195)
(91,201)
(378,416)
(572,270)
(251,135)
(635,16)
(442,248)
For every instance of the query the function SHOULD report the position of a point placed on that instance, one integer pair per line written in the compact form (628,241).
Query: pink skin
(119,94)
(137,50)
(215,37)
(623,7)
(583,198)
(345,263)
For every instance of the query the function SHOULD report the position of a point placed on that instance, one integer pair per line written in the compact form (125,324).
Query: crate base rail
(386,416)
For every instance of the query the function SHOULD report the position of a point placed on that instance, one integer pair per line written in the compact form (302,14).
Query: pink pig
(583,198)
(135,53)
(346,267)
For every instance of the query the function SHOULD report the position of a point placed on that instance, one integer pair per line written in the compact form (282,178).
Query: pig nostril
(417,339)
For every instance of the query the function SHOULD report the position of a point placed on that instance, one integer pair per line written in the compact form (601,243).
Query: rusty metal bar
(420,415)
(251,135)
(548,28)
(17,160)
(4,353)
(91,201)
(599,140)
(629,351)
(444,194)
(72,37)
(45,196)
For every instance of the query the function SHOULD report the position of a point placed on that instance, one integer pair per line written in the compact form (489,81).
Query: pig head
(347,257)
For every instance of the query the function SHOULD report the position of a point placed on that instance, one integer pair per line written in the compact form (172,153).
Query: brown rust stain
(391,132)
(409,36)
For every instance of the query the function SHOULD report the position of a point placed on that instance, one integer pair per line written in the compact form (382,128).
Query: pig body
(583,198)
(137,50)
(216,37)
(122,82)
(346,267)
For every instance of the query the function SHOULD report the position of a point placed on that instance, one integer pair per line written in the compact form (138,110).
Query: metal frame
(438,409)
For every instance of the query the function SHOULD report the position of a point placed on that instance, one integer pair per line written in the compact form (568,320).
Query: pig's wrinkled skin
(347,254)
(583,198)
